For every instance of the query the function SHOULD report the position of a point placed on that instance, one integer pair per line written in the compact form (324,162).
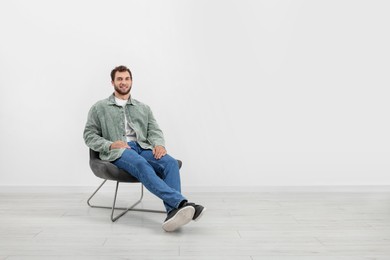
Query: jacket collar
(111,100)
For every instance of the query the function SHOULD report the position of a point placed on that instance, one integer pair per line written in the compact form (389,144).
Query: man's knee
(169,160)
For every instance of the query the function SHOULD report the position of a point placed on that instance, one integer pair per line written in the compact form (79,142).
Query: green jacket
(106,124)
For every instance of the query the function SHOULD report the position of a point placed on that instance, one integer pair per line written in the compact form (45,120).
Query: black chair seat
(108,171)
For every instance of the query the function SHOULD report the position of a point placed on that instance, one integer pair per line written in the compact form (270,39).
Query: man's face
(122,82)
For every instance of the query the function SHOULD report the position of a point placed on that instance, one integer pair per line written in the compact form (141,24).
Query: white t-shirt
(130,133)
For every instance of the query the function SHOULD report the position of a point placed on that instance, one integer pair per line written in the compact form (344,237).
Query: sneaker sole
(200,215)
(182,217)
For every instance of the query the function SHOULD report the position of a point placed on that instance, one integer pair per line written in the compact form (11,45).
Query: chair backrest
(93,154)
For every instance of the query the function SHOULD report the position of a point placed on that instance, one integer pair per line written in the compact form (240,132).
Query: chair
(108,171)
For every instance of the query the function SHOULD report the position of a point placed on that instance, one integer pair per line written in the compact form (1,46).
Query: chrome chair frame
(124,210)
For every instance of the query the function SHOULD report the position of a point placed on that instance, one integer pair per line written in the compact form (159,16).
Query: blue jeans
(161,177)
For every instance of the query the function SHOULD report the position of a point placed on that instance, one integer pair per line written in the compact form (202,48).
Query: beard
(122,91)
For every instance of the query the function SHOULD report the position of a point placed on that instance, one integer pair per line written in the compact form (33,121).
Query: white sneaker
(178,217)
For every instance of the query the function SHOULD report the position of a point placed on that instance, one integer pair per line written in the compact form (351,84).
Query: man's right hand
(119,144)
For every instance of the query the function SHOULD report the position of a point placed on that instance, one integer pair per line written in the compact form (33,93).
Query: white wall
(248,93)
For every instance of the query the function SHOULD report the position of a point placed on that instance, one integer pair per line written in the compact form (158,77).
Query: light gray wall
(248,93)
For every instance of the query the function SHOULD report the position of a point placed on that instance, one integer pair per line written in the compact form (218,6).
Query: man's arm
(93,133)
(155,135)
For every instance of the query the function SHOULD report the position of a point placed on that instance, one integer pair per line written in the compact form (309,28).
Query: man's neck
(123,97)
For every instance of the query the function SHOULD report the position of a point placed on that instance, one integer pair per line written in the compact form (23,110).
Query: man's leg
(167,168)
(136,165)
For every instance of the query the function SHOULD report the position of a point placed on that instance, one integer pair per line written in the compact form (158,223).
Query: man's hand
(119,144)
(159,151)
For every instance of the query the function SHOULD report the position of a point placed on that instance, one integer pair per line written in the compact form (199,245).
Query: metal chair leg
(125,210)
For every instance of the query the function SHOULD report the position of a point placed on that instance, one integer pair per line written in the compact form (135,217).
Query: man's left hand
(159,151)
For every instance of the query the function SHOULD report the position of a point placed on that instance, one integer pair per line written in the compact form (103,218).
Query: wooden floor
(57,224)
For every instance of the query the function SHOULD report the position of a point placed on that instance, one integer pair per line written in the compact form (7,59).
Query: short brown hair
(120,68)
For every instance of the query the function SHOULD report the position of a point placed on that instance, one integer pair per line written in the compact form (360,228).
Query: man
(125,132)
